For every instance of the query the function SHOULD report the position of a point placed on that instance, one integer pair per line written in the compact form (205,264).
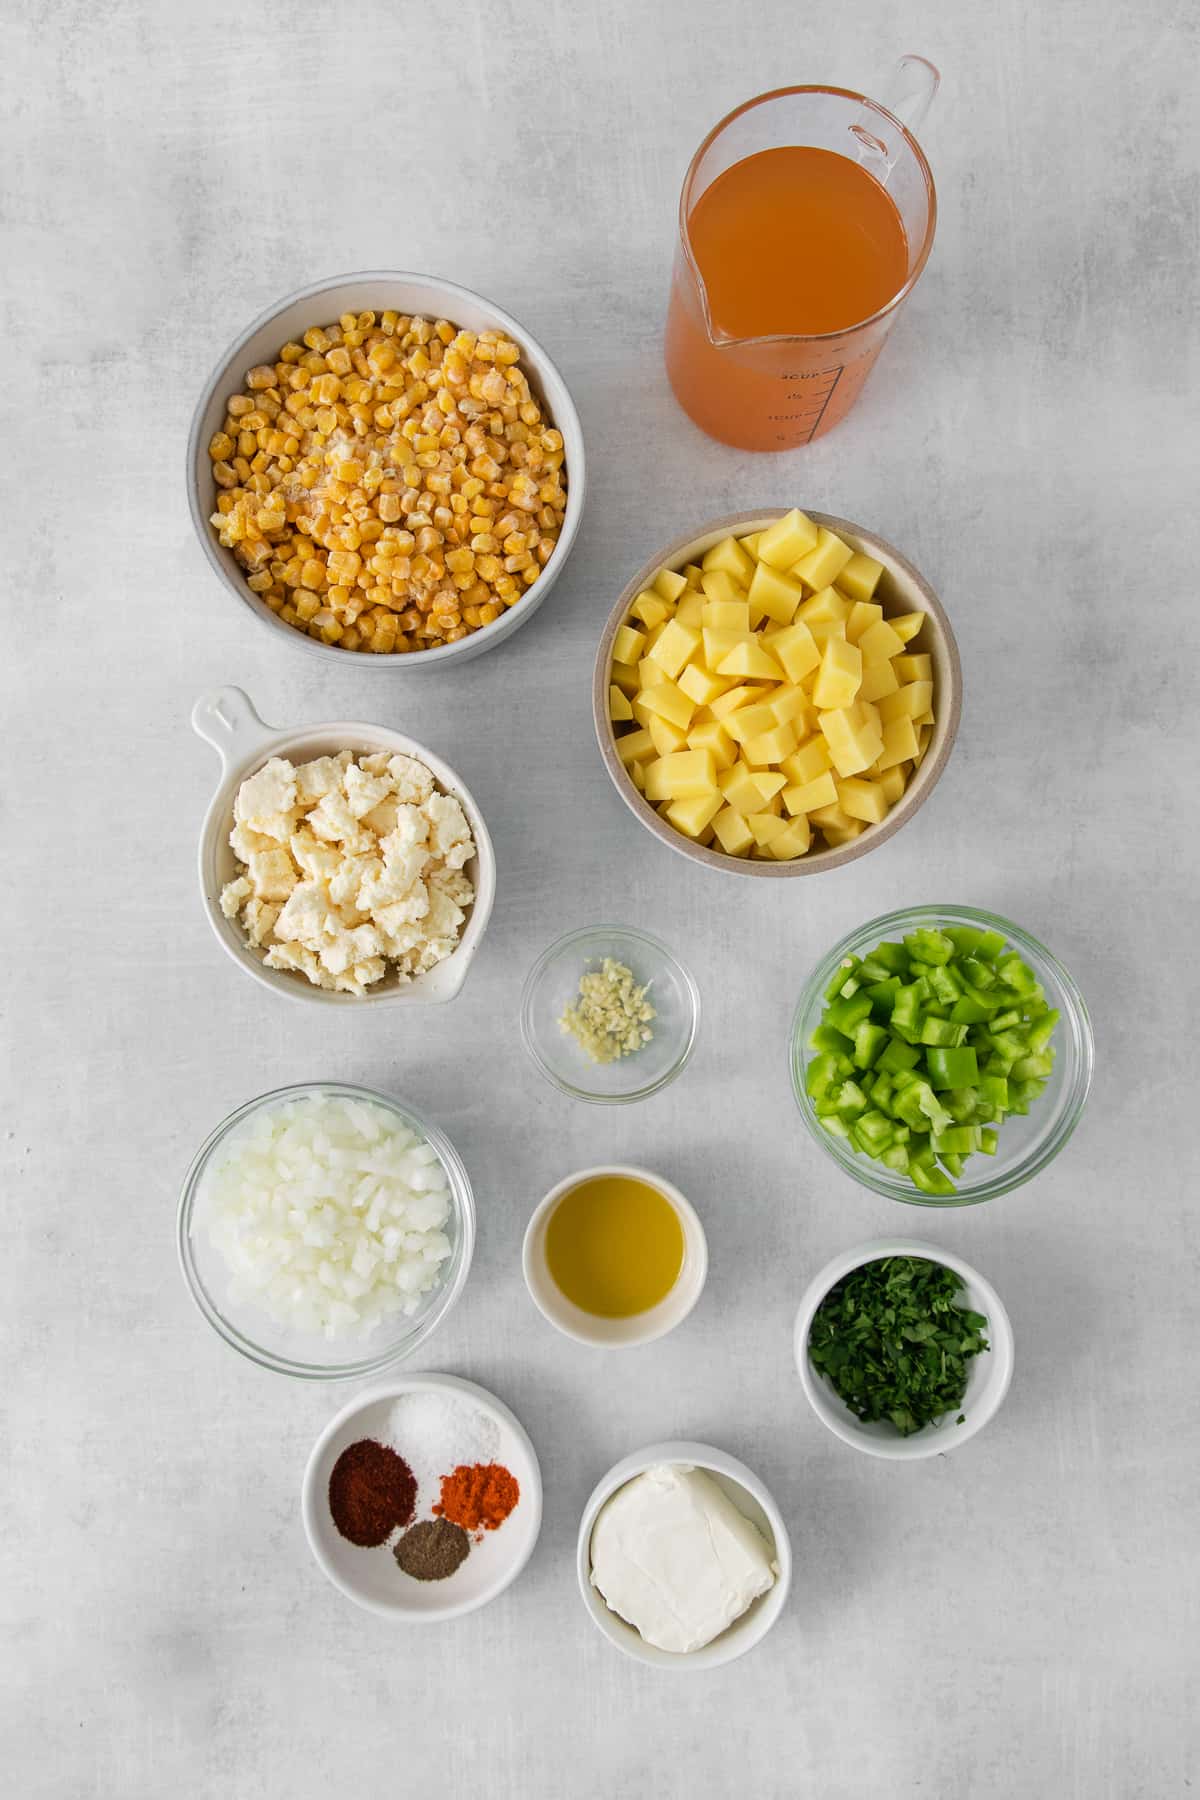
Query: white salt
(435,1432)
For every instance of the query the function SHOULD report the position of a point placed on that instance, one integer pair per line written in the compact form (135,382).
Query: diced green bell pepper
(952,1067)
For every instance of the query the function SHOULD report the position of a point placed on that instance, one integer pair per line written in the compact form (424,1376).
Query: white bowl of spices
(609,1014)
(422,1499)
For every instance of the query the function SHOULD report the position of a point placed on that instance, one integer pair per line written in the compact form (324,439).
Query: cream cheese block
(673,1556)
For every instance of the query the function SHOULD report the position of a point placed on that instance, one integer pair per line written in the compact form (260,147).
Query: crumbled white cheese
(349,868)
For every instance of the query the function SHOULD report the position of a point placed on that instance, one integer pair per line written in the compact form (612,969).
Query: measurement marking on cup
(811,399)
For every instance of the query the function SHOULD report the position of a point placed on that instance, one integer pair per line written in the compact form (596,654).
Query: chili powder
(371,1492)
(478,1496)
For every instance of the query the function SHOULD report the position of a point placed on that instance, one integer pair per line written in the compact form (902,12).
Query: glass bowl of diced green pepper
(941,1055)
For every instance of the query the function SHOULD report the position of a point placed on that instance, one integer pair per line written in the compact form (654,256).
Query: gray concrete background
(1017,1621)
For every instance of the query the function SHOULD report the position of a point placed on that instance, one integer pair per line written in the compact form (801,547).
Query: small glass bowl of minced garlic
(609,1014)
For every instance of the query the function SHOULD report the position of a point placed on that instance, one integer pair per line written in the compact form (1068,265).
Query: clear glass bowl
(1026,1144)
(553,984)
(308,1355)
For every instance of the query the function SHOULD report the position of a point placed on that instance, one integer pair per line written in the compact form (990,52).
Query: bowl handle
(226,719)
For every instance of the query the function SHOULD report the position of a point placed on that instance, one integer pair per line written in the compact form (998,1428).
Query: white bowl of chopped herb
(904,1350)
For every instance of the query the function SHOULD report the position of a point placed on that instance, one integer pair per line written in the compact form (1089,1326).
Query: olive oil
(614,1246)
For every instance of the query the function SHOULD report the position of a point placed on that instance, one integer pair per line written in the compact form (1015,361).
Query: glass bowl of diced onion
(363,1327)
(1025,1143)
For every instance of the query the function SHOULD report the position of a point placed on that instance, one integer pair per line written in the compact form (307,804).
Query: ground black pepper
(432,1550)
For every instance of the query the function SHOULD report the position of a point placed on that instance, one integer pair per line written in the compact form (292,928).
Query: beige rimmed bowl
(228,721)
(320,304)
(902,588)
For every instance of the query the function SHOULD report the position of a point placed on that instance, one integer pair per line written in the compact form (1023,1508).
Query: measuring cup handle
(910,92)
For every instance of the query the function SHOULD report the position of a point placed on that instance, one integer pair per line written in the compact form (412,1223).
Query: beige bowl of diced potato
(804,842)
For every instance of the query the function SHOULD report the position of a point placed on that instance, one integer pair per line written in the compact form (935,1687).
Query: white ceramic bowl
(639,1328)
(372,1578)
(988,1377)
(227,720)
(319,304)
(750,1496)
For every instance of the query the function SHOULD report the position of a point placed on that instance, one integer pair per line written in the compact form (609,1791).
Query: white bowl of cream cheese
(647,1535)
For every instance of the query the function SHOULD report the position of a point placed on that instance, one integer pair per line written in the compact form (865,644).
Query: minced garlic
(611,1017)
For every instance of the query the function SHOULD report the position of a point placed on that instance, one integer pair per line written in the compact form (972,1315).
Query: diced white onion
(329,1213)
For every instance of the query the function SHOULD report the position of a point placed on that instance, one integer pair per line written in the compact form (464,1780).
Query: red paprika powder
(371,1492)
(478,1496)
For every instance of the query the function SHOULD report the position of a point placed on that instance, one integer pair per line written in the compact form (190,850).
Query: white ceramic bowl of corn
(319,305)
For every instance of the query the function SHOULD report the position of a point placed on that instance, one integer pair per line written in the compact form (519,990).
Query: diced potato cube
(924,738)
(862,800)
(717,644)
(619,708)
(732,832)
(769,783)
(727,615)
(824,629)
(628,644)
(910,701)
(650,674)
(674,647)
(806,797)
(836,835)
(854,740)
(765,826)
(718,584)
(795,649)
(862,614)
(785,542)
(730,702)
(832,818)
(925,719)
(669,583)
(879,642)
(749,790)
(792,841)
(690,610)
(839,676)
(692,815)
(635,746)
(750,660)
(692,572)
(860,576)
(740,789)
(913,666)
(671,703)
(625,677)
(893,782)
(749,721)
(791,706)
(774,596)
(730,556)
(637,774)
(650,609)
(712,736)
(770,747)
(665,737)
(899,743)
(700,686)
(806,763)
(750,544)
(879,678)
(681,776)
(826,606)
(825,562)
(907,625)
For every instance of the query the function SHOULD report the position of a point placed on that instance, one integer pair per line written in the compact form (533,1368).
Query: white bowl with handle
(320,304)
(228,721)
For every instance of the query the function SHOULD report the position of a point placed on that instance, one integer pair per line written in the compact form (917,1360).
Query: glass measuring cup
(778,391)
